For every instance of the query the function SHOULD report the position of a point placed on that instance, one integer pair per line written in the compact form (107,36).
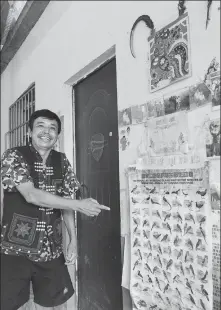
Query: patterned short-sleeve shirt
(15,171)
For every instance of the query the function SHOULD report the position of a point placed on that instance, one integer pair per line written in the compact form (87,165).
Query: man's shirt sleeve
(14,170)
(71,184)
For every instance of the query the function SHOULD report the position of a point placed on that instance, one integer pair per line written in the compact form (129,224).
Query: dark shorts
(51,282)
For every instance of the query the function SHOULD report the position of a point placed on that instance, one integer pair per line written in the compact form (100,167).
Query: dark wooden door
(99,265)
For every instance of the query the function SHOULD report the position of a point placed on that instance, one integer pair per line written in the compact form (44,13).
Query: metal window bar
(19,113)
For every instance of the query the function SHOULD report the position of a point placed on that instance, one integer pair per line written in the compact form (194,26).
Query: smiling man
(38,183)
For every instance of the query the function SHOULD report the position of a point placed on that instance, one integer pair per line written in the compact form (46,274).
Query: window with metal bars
(19,113)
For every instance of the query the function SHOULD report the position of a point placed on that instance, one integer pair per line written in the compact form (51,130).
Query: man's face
(44,134)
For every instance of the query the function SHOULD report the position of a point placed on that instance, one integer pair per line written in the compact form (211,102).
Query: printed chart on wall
(171,239)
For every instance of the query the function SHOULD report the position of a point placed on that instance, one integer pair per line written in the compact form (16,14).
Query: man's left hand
(71,254)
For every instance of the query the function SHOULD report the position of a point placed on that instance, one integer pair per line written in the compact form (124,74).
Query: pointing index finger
(104,207)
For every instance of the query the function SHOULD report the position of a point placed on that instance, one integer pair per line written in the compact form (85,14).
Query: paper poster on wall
(139,114)
(170,54)
(124,117)
(177,101)
(171,239)
(200,94)
(168,135)
(215,205)
(215,88)
(155,107)
(213,138)
(124,137)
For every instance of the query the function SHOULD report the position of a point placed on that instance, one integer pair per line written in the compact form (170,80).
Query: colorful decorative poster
(139,114)
(155,107)
(170,54)
(200,94)
(215,88)
(171,239)
(177,101)
(168,135)
(124,117)
(213,138)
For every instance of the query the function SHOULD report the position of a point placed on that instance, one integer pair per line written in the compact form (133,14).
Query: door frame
(82,74)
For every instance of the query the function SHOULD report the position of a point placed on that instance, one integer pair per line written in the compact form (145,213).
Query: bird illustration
(139,275)
(149,279)
(203,234)
(167,217)
(145,234)
(154,225)
(164,238)
(202,220)
(191,218)
(149,245)
(166,192)
(176,241)
(166,201)
(134,189)
(134,200)
(155,269)
(202,305)
(204,277)
(186,256)
(159,249)
(136,264)
(158,283)
(153,307)
(199,205)
(148,256)
(136,242)
(148,267)
(178,228)
(204,292)
(168,301)
(198,244)
(189,204)
(166,288)
(205,260)
(179,217)
(165,276)
(202,193)
(145,223)
(169,228)
(135,221)
(177,202)
(153,190)
(175,192)
(189,285)
(159,296)
(180,254)
(169,264)
(135,229)
(179,294)
(159,260)
(176,278)
(136,284)
(146,199)
(158,214)
(154,201)
(181,268)
(185,194)
(192,270)
(192,300)
(190,244)
(139,253)
(156,235)
(142,303)
(188,230)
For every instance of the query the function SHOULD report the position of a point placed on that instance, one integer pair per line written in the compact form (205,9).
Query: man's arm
(44,199)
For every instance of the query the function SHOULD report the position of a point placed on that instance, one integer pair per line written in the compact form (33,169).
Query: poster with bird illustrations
(170,54)
(171,239)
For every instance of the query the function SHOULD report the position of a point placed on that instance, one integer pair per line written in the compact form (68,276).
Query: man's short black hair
(44,113)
